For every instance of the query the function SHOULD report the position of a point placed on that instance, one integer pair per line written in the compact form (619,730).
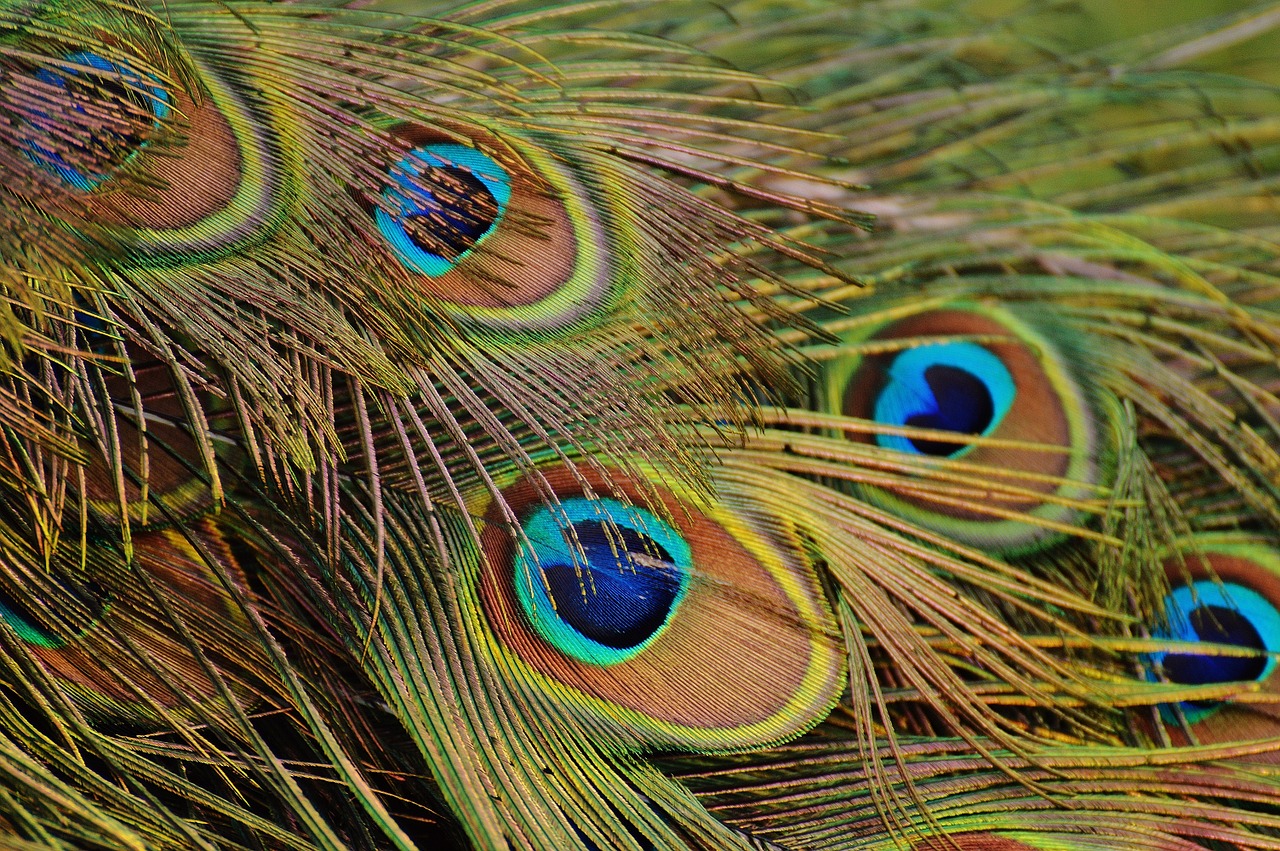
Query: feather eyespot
(600,579)
(103,117)
(154,448)
(1012,400)
(497,233)
(1226,592)
(1218,613)
(445,200)
(87,641)
(152,160)
(682,626)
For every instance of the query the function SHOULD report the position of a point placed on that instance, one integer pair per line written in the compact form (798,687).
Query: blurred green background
(1077,23)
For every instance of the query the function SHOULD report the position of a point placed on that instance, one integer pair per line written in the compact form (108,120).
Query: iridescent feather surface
(639,425)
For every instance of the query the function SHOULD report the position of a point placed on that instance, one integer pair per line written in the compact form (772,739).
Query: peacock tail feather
(750,425)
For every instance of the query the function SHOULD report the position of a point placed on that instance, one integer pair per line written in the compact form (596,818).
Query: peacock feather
(664,425)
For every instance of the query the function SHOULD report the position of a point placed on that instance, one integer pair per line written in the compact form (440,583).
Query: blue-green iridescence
(444,200)
(600,580)
(958,387)
(21,621)
(1218,614)
(118,85)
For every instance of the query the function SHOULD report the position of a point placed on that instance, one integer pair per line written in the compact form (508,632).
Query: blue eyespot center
(443,201)
(104,120)
(1218,614)
(956,387)
(621,606)
(1217,625)
(599,579)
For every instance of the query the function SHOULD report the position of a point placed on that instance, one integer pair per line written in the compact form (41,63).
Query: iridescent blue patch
(118,83)
(443,201)
(957,387)
(1216,613)
(599,579)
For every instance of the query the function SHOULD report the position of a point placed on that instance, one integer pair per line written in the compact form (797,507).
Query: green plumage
(608,425)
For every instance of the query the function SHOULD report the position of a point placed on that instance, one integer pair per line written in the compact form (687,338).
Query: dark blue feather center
(1218,625)
(104,120)
(961,388)
(962,403)
(625,591)
(443,201)
(1211,612)
(454,210)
